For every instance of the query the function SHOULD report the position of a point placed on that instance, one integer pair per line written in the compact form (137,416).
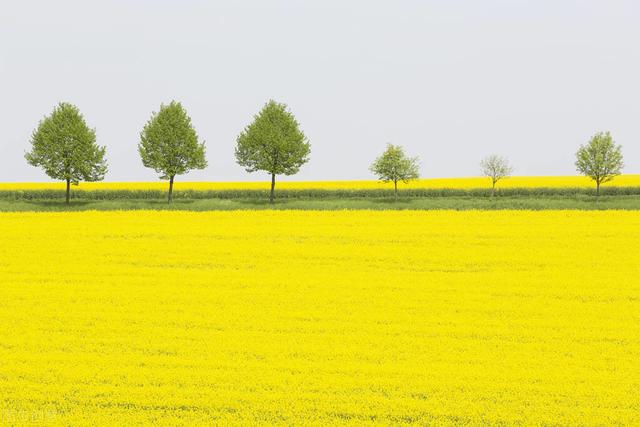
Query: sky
(451,81)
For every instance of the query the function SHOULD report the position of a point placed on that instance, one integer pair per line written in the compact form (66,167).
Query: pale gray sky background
(451,81)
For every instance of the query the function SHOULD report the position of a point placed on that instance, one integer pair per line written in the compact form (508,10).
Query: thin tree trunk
(395,188)
(273,187)
(68,191)
(171,188)
(597,188)
(493,189)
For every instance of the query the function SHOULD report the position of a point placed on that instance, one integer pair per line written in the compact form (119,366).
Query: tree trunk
(597,188)
(395,188)
(68,191)
(273,187)
(493,189)
(171,188)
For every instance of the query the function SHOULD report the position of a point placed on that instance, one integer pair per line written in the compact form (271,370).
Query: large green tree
(394,165)
(169,144)
(600,159)
(273,143)
(65,147)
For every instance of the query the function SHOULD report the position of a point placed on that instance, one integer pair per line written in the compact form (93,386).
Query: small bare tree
(495,168)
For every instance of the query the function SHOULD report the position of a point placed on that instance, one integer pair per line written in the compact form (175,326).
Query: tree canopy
(394,165)
(65,148)
(600,159)
(169,144)
(273,143)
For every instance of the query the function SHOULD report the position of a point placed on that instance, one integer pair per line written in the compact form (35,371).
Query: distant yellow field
(320,318)
(461,183)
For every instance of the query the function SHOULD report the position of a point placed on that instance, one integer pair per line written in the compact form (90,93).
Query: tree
(169,144)
(65,147)
(495,168)
(393,165)
(600,159)
(273,143)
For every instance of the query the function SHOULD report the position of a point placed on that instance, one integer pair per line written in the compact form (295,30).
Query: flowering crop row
(432,183)
(302,317)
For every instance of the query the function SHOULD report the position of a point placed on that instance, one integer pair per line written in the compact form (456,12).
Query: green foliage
(600,159)
(65,147)
(273,143)
(169,143)
(393,165)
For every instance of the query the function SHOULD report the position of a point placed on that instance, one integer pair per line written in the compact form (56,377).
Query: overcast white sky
(451,81)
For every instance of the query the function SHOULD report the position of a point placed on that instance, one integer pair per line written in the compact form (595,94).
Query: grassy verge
(151,194)
(583,202)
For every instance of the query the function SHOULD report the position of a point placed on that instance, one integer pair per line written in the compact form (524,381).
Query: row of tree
(600,159)
(66,149)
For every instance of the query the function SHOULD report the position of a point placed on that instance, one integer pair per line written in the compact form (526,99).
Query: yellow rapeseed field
(435,183)
(320,318)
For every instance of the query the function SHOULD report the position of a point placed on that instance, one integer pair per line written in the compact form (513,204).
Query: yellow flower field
(320,318)
(435,183)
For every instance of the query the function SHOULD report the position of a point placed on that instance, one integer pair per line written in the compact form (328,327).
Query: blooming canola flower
(320,317)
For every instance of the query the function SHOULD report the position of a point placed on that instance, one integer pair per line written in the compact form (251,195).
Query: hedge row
(308,193)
